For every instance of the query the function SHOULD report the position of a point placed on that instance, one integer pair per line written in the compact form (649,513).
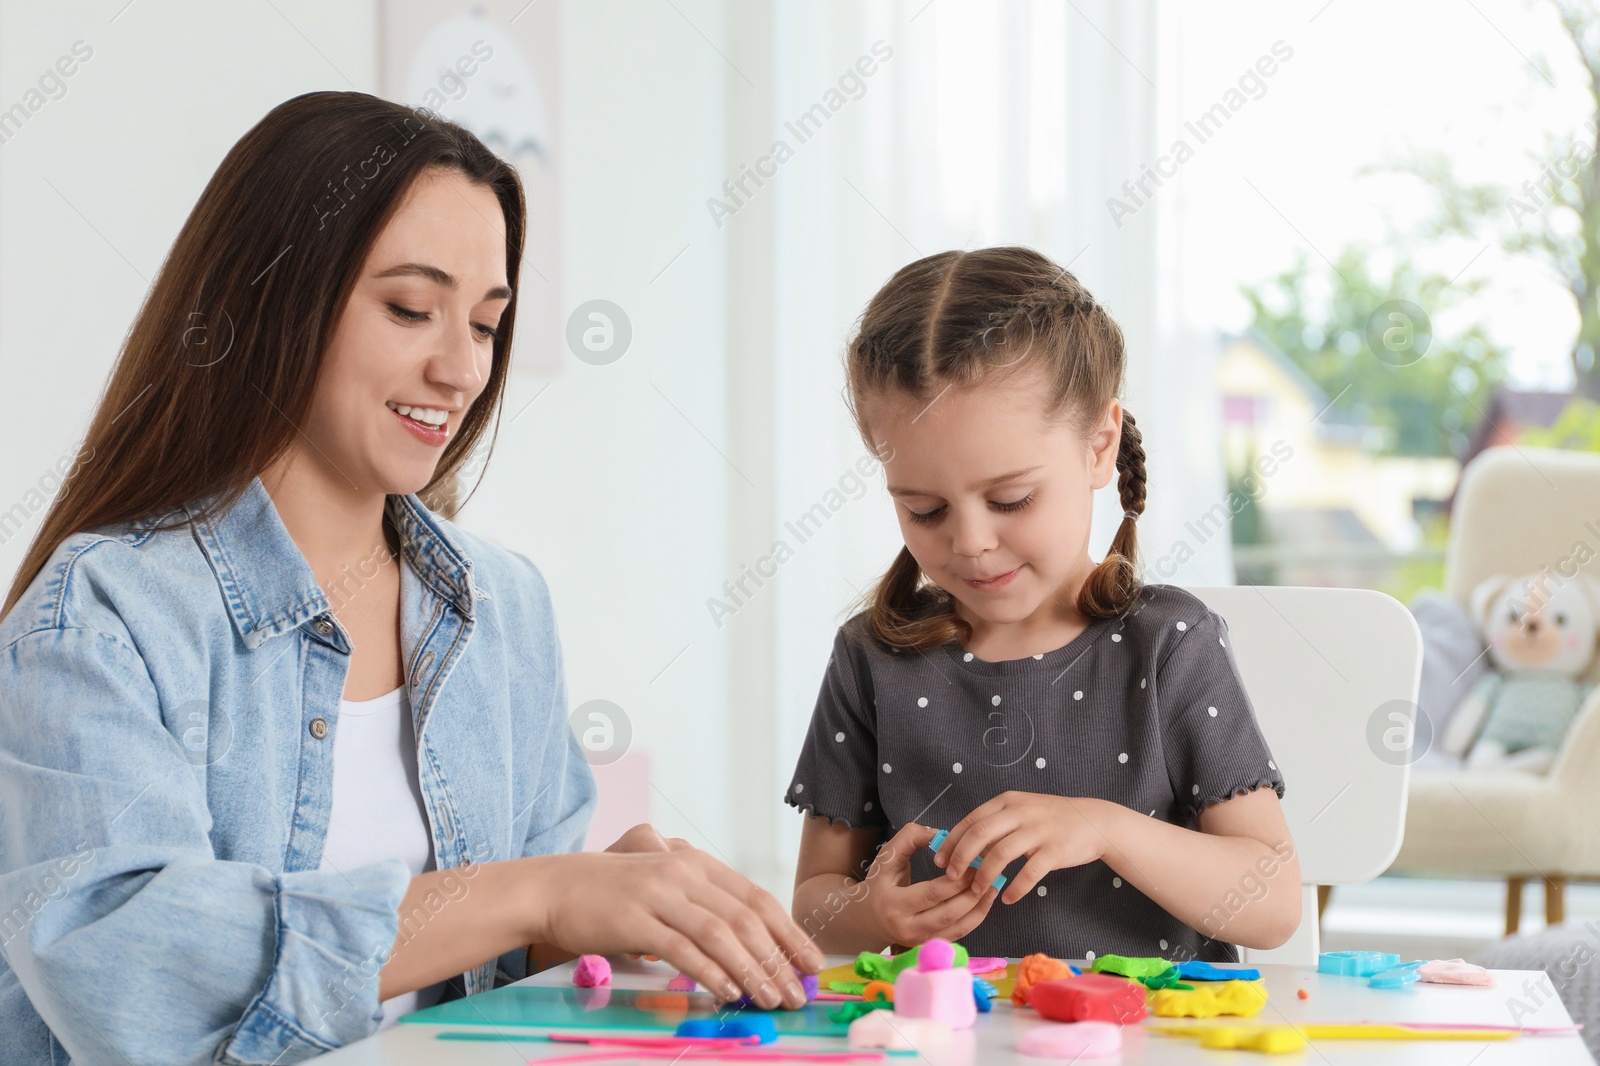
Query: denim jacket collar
(270,588)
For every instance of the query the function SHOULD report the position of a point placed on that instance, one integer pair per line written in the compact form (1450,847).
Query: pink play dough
(592,971)
(1072,1040)
(935,989)
(1454,972)
(884,1029)
(681,983)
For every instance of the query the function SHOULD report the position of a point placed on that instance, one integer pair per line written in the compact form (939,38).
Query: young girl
(1084,735)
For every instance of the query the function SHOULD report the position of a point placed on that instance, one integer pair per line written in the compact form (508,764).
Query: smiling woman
(274,719)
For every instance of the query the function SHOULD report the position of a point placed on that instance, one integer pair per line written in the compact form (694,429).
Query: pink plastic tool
(702,1055)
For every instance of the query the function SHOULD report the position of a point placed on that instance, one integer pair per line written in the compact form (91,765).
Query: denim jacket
(168,704)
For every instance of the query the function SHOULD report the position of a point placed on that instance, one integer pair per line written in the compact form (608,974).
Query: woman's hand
(1054,832)
(678,903)
(910,913)
(643,837)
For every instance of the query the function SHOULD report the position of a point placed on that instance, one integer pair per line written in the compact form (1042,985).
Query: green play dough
(1123,966)
(874,967)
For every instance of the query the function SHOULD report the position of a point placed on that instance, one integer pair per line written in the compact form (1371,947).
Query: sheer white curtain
(979,124)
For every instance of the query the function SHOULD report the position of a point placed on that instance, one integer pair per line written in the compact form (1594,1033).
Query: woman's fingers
(736,939)
(680,951)
(779,927)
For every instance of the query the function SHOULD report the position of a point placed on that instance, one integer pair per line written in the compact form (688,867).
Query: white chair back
(1332,675)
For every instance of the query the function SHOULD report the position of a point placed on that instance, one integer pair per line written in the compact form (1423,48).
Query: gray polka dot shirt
(1146,710)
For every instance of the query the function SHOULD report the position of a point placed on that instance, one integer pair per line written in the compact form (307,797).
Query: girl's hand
(681,904)
(1054,832)
(909,913)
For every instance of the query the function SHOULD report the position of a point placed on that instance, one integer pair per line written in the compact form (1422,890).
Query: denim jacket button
(323,626)
(319,727)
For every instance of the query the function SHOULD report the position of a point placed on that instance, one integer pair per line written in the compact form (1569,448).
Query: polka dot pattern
(838,738)
(1039,762)
(1182,626)
(888,769)
(956,767)
(995,700)
(1116,638)
(967,658)
(1078,695)
(922,701)
(1212,711)
(799,788)
(1116,882)
(1042,891)
(1122,757)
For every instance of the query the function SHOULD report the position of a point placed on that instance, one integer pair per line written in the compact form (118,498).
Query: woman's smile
(428,424)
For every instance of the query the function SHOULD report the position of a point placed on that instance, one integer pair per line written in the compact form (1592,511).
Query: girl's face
(993,498)
(414,347)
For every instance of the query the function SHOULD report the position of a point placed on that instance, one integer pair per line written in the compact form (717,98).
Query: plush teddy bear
(1541,632)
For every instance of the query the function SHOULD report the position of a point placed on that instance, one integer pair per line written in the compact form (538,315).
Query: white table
(993,1039)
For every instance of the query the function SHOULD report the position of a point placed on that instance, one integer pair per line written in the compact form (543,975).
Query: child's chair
(1518,511)
(1333,676)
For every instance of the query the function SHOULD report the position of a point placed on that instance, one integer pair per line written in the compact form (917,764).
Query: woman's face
(414,346)
(994,499)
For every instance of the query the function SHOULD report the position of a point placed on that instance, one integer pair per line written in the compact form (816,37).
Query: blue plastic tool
(1356,963)
(938,838)
(982,993)
(1397,976)
(1196,970)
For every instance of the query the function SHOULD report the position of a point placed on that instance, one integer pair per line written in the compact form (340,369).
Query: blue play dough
(757,1025)
(1196,970)
(938,838)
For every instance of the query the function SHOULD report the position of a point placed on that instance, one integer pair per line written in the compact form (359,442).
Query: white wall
(96,184)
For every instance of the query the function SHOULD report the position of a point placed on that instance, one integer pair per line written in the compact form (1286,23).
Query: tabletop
(1519,997)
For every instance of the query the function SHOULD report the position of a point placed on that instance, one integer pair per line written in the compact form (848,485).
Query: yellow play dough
(1241,998)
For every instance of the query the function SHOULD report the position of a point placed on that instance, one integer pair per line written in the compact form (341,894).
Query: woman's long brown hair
(947,321)
(219,366)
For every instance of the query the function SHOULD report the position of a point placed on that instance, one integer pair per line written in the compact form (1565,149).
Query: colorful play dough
(1122,966)
(985,965)
(1035,969)
(1072,1041)
(935,989)
(876,967)
(592,971)
(893,1032)
(757,1025)
(1241,998)
(878,992)
(1454,972)
(1195,970)
(681,983)
(1092,997)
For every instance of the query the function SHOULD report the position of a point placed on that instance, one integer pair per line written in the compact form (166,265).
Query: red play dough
(1092,997)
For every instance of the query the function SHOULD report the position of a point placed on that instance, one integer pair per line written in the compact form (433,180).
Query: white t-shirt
(377,810)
